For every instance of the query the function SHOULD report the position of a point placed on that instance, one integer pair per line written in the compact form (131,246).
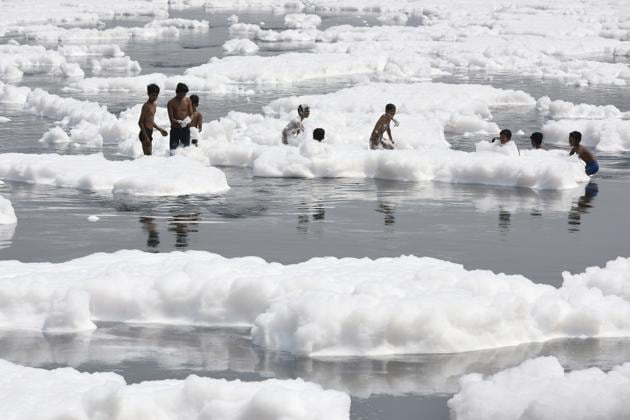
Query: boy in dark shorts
(575,137)
(147,120)
(382,126)
(180,113)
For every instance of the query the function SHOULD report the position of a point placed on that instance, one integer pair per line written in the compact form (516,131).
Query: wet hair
(575,135)
(303,108)
(507,133)
(194,99)
(181,87)
(536,138)
(153,89)
(318,134)
(390,107)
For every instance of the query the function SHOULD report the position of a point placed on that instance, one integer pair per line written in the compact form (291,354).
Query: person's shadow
(583,206)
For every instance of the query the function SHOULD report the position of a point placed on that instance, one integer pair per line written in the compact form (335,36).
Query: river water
(535,233)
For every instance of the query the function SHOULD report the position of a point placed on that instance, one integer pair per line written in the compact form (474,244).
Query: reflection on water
(505,219)
(583,206)
(150,227)
(182,225)
(149,353)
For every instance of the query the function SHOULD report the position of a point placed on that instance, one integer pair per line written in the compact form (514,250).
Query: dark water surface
(535,233)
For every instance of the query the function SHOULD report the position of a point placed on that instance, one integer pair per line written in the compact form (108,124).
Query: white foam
(17,60)
(541,389)
(302,21)
(7,213)
(67,393)
(4,120)
(322,307)
(153,176)
(240,46)
(608,135)
(116,65)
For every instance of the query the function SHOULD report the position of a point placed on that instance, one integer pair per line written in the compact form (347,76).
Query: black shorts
(179,135)
(149,132)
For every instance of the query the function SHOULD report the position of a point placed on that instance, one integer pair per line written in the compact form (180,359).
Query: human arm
(161,130)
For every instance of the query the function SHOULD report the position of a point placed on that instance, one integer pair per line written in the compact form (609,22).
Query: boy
(147,120)
(381,127)
(296,126)
(196,123)
(319,134)
(536,139)
(179,112)
(575,137)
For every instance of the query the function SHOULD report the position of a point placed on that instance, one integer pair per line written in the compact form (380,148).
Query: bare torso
(148,114)
(179,109)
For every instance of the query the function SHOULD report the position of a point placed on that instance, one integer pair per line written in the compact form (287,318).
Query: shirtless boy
(180,113)
(575,137)
(382,127)
(196,123)
(147,120)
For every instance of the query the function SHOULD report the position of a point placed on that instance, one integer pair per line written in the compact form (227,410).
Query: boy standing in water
(296,126)
(147,120)
(180,112)
(196,123)
(382,127)
(575,137)
(536,139)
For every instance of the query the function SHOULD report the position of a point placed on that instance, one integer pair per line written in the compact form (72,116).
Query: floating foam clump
(153,176)
(322,307)
(67,393)
(240,46)
(7,214)
(116,65)
(302,21)
(17,60)
(541,389)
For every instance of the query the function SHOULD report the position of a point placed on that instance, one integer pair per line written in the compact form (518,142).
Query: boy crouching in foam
(382,126)
(147,120)
(575,137)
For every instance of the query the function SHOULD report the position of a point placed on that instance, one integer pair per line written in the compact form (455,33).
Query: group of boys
(575,138)
(186,120)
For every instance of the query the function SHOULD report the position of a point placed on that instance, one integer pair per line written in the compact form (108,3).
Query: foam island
(541,389)
(67,393)
(149,176)
(321,307)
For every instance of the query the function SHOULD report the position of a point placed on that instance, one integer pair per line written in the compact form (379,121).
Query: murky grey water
(538,234)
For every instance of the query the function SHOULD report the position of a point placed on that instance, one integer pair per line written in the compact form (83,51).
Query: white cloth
(184,123)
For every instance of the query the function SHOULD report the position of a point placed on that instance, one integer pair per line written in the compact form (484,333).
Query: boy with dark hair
(296,126)
(382,126)
(180,113)
(505,136)
(319,134)
(575,137)
(147,120)
(536,139)
(196,123)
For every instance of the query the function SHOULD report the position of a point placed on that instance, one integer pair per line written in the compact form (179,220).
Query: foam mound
(67,393)
(541,389)
(152,176)
(7,213)
(322,307)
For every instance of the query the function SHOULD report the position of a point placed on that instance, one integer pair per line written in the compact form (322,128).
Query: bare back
(196,120)
(585,154)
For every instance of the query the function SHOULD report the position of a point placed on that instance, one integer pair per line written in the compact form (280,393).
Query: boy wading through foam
(196,123)
(575,137)
(382,126)
(180,113)
(296,126)
(147,120)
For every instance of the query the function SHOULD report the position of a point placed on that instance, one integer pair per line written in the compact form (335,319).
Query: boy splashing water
(575,137)
(382,126)
(296,126)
